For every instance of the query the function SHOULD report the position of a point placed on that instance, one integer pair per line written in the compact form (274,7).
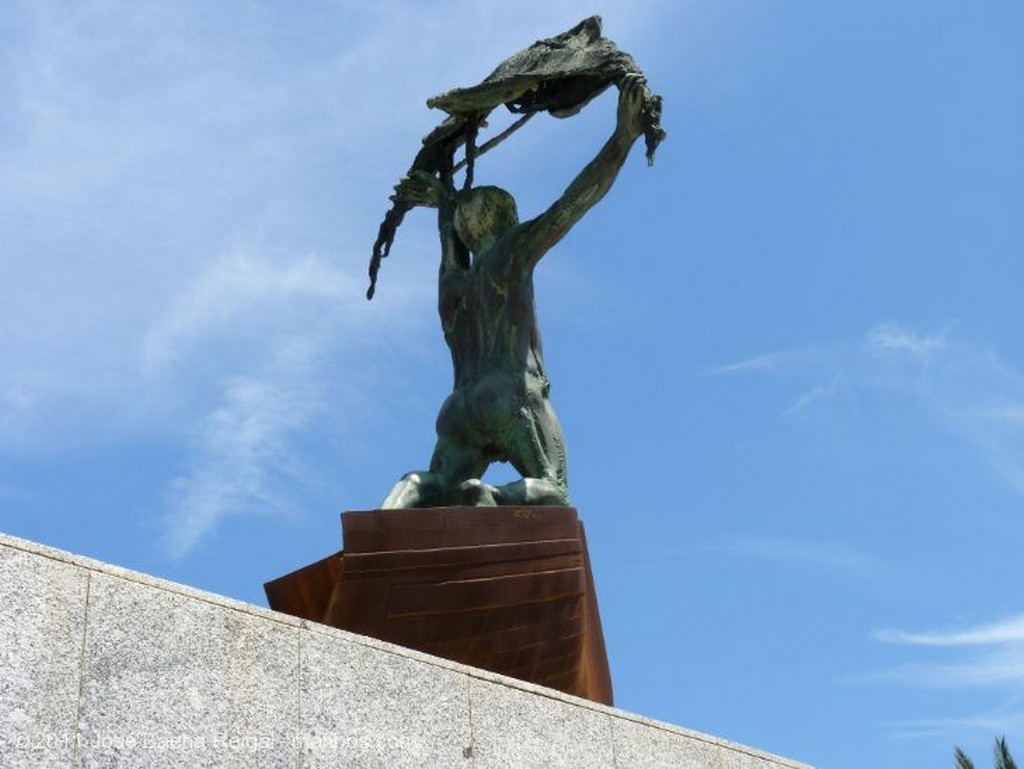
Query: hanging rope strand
(490,144)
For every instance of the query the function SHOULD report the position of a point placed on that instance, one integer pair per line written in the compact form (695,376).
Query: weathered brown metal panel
(507,589)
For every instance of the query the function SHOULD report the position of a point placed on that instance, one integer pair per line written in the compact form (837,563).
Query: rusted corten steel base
(507,589)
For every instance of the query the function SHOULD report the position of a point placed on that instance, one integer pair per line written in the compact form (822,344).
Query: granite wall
(102,667)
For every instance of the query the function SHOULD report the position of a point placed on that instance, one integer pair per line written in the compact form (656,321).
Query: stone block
(372,707)
(170,680)
(42,620)
(658,746)
(515,728)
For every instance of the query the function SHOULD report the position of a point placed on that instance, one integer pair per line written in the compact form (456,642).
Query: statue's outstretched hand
(420,189)
(633,96)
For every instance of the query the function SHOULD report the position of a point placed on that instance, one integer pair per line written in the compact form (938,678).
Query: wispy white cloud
(267,334)
(807,398)
(828,555)
(1009,413)
(14,494)
(1006,719)
(998,668)
(965,389)
(147,138)
(894,338)
(772,361)
(1006,631)
(248,292)
(995,659)
(241,459)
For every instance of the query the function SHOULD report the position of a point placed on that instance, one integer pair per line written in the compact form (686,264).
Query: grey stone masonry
(103,667)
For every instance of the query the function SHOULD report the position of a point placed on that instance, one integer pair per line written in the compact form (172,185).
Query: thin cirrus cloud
(239,426)
(966,392)
(265,333)
(241,459)
(829,555)
(250,293)
(133,177)
(1006,719)
(894,338)
(807,398)
(995,656)
(1005,631)
(966,389)
(781,360)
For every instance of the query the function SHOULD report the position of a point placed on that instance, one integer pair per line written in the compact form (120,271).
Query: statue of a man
(499,408)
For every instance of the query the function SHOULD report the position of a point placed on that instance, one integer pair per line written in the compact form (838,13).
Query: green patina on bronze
(499,408)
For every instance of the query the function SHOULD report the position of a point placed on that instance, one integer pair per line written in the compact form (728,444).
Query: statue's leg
(537,451)
(476,493)
(415,490)
(462,467)
(451,464)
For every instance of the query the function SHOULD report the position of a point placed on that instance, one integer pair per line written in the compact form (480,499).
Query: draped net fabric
(558,75)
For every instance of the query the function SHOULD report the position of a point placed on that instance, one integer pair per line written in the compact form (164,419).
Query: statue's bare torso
(487,313)
(499,408)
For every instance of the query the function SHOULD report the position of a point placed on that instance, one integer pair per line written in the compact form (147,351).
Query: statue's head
(482,212)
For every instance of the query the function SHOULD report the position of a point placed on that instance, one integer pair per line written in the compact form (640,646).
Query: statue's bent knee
(476,493)
(408,492)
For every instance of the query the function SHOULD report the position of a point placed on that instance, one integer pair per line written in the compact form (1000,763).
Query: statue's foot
(415,490)
(476,493)
(533,491)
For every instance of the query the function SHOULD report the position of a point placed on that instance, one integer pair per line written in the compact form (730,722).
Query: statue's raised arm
(418,188)
(596,179)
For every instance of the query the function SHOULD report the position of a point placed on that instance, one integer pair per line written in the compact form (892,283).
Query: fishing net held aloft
(559,75)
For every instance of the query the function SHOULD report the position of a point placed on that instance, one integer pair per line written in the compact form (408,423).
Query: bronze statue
(499,408)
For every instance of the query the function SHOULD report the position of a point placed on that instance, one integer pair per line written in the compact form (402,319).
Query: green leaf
(962,761)
(1003,758)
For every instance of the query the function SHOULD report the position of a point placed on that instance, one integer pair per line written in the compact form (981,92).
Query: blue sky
(787,358)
